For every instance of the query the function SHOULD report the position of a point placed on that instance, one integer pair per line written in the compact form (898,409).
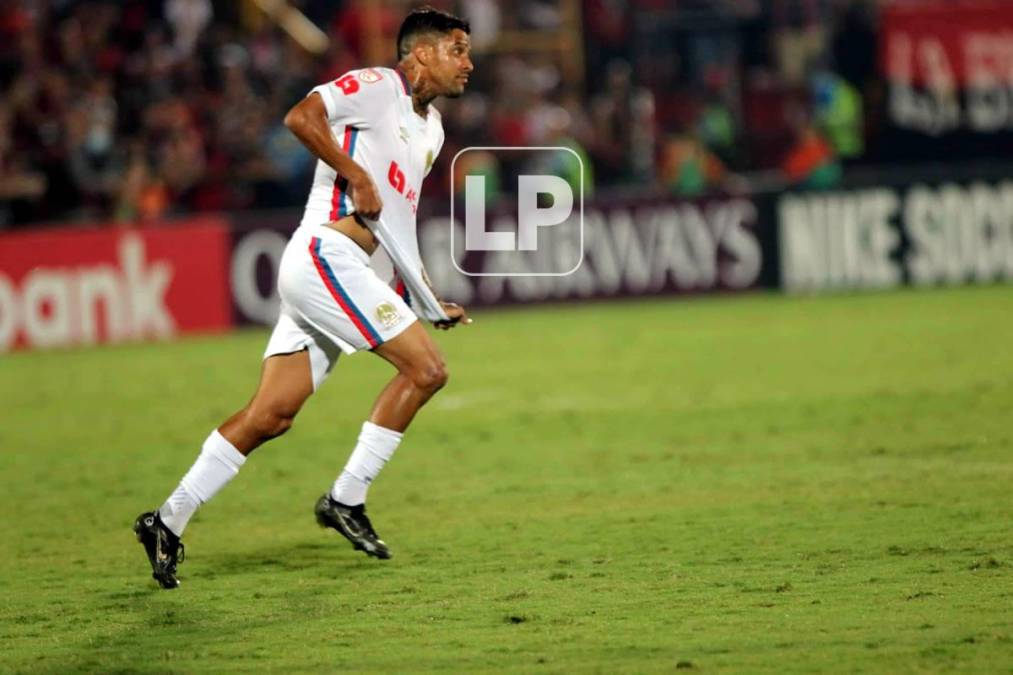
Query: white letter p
(530,217)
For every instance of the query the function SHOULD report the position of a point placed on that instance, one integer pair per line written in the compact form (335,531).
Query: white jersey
(372,118)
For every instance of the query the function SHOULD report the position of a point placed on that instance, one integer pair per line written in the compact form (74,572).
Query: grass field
(759,484)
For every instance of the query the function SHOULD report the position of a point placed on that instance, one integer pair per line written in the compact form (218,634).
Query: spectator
(800,36)
(686,168)
(96,162)
(143,197)
(716,126)
(623,120)
(188,19)
(811,161)
(479,163)
(20,184)
(574,167)
(837,109)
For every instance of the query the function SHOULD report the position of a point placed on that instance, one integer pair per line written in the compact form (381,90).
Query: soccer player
(376,135)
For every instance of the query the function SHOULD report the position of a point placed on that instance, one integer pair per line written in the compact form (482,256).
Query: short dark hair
(426,20)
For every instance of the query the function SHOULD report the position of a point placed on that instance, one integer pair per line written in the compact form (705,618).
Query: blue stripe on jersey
(345,206)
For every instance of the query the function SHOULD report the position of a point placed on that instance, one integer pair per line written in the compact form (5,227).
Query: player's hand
(455,313)
(365,196)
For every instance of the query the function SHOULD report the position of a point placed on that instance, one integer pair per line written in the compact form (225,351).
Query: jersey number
(348,84)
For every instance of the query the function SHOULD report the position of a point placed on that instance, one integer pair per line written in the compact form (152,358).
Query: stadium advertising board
(881,237)
(631,249)
(257,245)
(63,287)
(253,269)
(949,65)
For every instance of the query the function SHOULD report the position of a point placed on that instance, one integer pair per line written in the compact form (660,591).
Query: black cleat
(353,524)
(163,547)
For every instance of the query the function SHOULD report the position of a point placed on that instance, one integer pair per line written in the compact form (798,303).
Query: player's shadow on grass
(328,557)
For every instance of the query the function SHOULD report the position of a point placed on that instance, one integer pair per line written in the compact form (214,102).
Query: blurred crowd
(136,110)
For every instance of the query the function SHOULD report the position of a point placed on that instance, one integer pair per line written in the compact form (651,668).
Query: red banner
(955,43)
(949,65)
(84,286)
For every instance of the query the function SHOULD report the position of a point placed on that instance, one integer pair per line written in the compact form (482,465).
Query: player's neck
(420,91)
(421,102)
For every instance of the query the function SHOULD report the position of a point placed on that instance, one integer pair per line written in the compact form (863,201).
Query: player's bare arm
(308,121)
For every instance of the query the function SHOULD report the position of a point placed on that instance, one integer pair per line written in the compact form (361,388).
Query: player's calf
(261,423)
(285,384)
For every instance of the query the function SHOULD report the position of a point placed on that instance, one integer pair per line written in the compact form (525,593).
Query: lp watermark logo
(533,228)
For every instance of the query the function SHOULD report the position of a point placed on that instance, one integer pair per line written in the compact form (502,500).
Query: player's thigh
(329,284)
(286,381)
(412,350)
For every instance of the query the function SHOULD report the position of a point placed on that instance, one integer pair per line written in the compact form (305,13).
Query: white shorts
(332,301)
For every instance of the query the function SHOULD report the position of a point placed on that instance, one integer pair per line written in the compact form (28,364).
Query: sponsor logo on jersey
(369,75)
(387,315)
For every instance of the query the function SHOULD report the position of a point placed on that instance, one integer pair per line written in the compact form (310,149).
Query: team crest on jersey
(387,315)
(369,75)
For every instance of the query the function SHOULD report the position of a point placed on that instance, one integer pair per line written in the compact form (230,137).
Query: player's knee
(431,376)
(270,423)
(281,423)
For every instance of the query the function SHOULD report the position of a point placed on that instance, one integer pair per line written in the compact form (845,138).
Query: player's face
(452,63)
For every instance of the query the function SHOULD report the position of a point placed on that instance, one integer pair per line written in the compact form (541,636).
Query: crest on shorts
(387,315)
(369,75)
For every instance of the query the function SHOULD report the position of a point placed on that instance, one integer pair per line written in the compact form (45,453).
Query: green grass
(759,484)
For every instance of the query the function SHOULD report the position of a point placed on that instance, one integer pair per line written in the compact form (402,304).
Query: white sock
(217,464)
(375,447)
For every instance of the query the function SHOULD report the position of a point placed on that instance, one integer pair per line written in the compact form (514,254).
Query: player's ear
(423,51)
